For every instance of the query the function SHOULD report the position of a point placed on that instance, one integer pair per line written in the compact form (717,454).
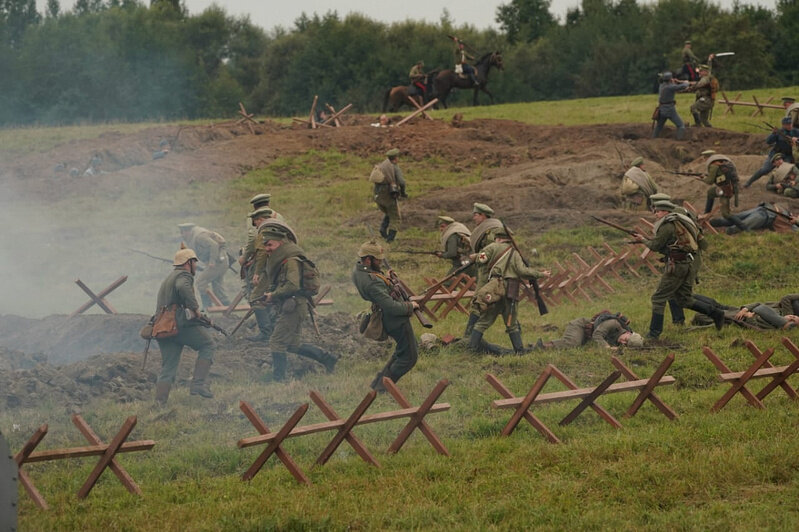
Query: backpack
(310,277)
(604,315)
(377,176)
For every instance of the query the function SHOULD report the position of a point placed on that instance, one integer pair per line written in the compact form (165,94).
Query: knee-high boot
(703,307)
(328,360)
(199,384)
(655,326)
(473,318)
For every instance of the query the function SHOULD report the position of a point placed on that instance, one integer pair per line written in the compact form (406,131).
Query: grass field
(732,470)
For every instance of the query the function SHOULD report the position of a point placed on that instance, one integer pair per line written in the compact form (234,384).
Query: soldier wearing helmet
(177,291)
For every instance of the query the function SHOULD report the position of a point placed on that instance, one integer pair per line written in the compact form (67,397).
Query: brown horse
(396,97)
(448,79)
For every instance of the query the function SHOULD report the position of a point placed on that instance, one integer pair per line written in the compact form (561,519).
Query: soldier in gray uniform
(178,289)
(667,105)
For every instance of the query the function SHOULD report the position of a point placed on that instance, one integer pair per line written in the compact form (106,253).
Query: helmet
(371,249)
(666,76)
(635,340)
(183,256)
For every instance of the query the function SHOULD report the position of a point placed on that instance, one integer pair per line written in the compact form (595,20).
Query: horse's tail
(385,99)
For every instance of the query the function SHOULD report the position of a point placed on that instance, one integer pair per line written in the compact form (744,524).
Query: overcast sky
(479,13)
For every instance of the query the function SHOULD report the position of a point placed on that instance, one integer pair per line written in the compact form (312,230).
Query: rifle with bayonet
(151,256)
(398,289)
(696,175)
(463,267)
(415,252)
(542,306)
(205,321)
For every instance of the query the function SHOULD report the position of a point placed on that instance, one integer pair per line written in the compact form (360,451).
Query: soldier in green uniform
(483,217)
(258,202)
(723,178)
(178,289)
(702,107)
(689,62)
(782,179)
(677,237)
(374,286)
(292,306)
(501,261)
(212,252)
(387,193)
(605,330)
(637,185)
(417,77)
(455,241)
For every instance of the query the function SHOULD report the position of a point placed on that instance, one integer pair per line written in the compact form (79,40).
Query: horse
(448,79)
(396,97)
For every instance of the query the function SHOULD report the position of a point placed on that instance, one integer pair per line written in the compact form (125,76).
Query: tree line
(108,60)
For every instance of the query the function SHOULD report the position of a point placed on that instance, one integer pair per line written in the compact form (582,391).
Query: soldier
(501,261)
(761,217)
(387,193)
(705,90)
(212,252)
(455,241)
(764,316)
(781,142)
(723,178)
(677,237)
(783,180)
(791,110)
(483,217)
(637,185)
(417,77)
(462,58)
(178,289)
(292,305)
(375,287)
(689,62)
(248,252)
(606,329)
(667,105)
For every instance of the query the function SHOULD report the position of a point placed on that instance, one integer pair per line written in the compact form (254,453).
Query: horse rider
(461,59)
(417,76)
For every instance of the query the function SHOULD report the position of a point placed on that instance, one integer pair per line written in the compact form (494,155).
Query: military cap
(183,256)
(664,205)
(446,219)
(666,76)
(393,152)
(635,340)
(788,99)
(186,226)
(501,232)
(482,208)
(660,196)
(260,198)
(687,42)
(703,67)
(638,161)
(263,212)
(776,157)
(708,153)
(273,233)
(371,249)
(786,120)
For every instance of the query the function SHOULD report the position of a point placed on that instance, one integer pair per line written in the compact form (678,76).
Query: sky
(480,13)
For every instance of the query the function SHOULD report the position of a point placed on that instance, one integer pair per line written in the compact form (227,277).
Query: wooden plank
(529,416)
(524,404)
(98,298)
(761,373)
(274,445)
(591,398)
(417,419)
(647,392)
(356,444)
(580,393)
(107,456)
(778,381)
(334,425)
(426,106)
(21,457)
(345,429)
(90,450)
(117,469)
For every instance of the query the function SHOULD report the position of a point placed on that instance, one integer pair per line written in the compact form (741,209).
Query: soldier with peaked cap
(211,250)
(178,290)
(791,110)
(375,286)
(678,238)
(250,249)
(292,306)
(387,192)
(782,141)
(705,90)
(503,264)
(637,185)
(483,217)
(455,242)
(722,176)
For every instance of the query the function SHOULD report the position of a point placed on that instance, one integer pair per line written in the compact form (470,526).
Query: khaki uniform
(178,288)
(637,185)
(455,241)
(386,195)
(606,334)
(211,249)
(724,181)
(785,176)
(702,107)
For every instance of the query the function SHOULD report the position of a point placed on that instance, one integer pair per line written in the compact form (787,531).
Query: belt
(681,257)
(667,103)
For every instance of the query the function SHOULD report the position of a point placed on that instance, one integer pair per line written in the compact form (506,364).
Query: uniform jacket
(374,287)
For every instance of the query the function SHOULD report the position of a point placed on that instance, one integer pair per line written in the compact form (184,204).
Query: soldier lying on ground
(764,216)
(782,314)
(606,329)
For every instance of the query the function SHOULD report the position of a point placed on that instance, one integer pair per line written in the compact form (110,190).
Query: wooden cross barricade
(98,298)
(419,110)
(447,296)
(587,396)
(106,451)
(759,106)
(414,103)
(336,114)
(246,118)
(343,428)
(760,368)
(702,218)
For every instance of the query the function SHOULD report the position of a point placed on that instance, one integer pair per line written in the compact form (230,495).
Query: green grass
(736,469)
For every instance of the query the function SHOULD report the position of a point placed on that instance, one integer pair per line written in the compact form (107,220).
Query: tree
(525,20)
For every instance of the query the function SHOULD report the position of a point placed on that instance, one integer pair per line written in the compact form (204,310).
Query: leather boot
(697,121)
(473,318)
(199,384)
(384,227)
(278,366)
(328,360)
(708,309)
(162,392)
(709,205)
(476,341)
(392,234)
(677,313)
(738,223)
(377,383)
(655,326)
(264,326)
(517,343)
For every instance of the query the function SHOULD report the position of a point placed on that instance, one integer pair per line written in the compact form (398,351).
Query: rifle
(415,252)
(205,321)
(151,256)
(615,225)
(398,289)
(542,306)
(247,315)
(146,352)
(778,213)
(696,175)
(779,131)
(461,268)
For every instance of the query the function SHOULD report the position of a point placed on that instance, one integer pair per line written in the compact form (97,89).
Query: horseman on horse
(462,58)
(418,78)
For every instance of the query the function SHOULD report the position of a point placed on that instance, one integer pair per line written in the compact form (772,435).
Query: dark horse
(396,97)
(448,79)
